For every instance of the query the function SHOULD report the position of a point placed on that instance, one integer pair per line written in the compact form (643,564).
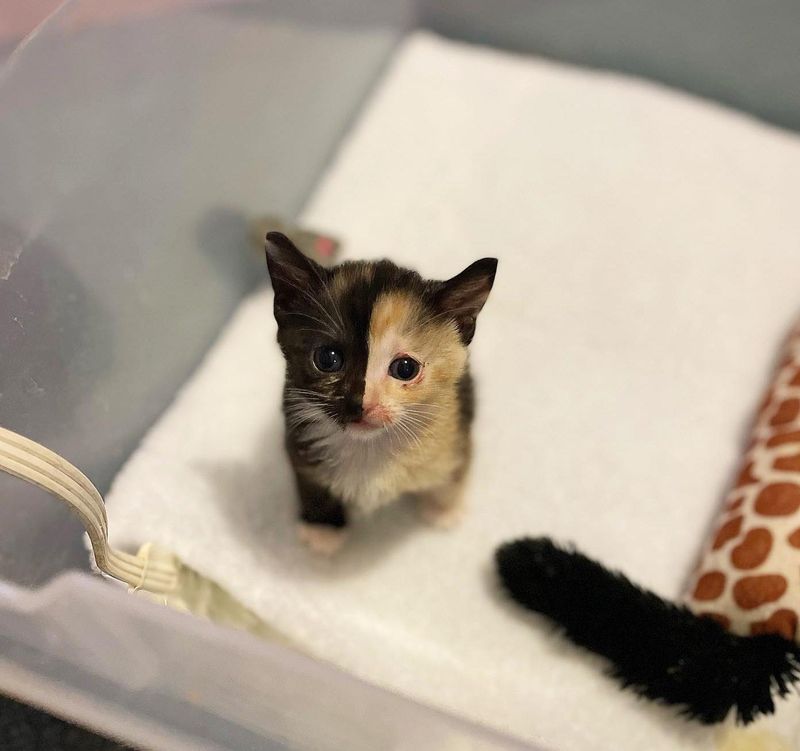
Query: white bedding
(649,249)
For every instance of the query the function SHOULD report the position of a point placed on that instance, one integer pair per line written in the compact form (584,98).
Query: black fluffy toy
(662,651)
(735,645)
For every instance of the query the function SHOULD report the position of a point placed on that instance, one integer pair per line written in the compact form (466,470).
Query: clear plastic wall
(136,141)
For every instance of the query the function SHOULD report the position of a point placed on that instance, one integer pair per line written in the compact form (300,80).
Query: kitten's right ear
(294,275)
(464,295)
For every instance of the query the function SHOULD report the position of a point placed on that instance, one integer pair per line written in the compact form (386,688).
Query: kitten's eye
(404,368)
(328,359)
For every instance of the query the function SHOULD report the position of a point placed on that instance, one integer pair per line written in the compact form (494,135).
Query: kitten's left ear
(464,295)
(294,275)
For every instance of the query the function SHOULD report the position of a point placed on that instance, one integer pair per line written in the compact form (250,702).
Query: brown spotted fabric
(749,575)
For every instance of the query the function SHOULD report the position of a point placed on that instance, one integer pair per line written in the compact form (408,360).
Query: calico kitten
(378,397)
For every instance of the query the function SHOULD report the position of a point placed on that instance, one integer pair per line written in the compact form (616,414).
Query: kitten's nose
(353,410)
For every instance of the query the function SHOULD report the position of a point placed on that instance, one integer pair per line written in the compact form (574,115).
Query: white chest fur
(367,473)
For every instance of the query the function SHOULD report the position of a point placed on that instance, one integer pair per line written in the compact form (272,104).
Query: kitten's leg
(443,507)
(323,519)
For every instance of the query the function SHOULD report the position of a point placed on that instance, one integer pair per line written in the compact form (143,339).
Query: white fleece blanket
(649,249)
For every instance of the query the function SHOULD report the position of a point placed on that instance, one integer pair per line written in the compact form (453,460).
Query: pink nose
(375,412)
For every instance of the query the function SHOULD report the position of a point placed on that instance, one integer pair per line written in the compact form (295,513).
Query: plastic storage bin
(134,144)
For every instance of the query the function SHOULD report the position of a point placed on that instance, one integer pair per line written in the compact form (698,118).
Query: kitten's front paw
(321,538)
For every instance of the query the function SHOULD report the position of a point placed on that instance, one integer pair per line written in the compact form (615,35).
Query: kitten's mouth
(363,428)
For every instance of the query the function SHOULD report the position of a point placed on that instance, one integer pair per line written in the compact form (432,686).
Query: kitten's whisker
(424,322)
(415,419)
(422,405)
(302,407)
(326,332)
(298,406)
(421,435)
(338,327)
(404,434)
(441,314)
(421,426)
(313,299)
(390,436)
(407,431)
(303,392)
(299,420)
(423,421)
(326,328)
(319,306)
(421,417)
(333,302)
(421,431)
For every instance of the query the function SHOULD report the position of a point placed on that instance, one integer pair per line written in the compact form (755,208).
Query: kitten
(378,397)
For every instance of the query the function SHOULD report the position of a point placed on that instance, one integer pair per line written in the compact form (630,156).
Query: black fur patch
(369,281)
(318,506)
(659,649)
(466,400)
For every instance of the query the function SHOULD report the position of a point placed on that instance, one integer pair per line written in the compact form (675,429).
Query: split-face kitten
(378,397)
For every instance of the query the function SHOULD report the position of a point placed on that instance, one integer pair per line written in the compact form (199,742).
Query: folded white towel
(649,249)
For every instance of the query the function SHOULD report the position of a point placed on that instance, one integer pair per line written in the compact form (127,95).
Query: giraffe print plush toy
(749,575)
(734,644)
